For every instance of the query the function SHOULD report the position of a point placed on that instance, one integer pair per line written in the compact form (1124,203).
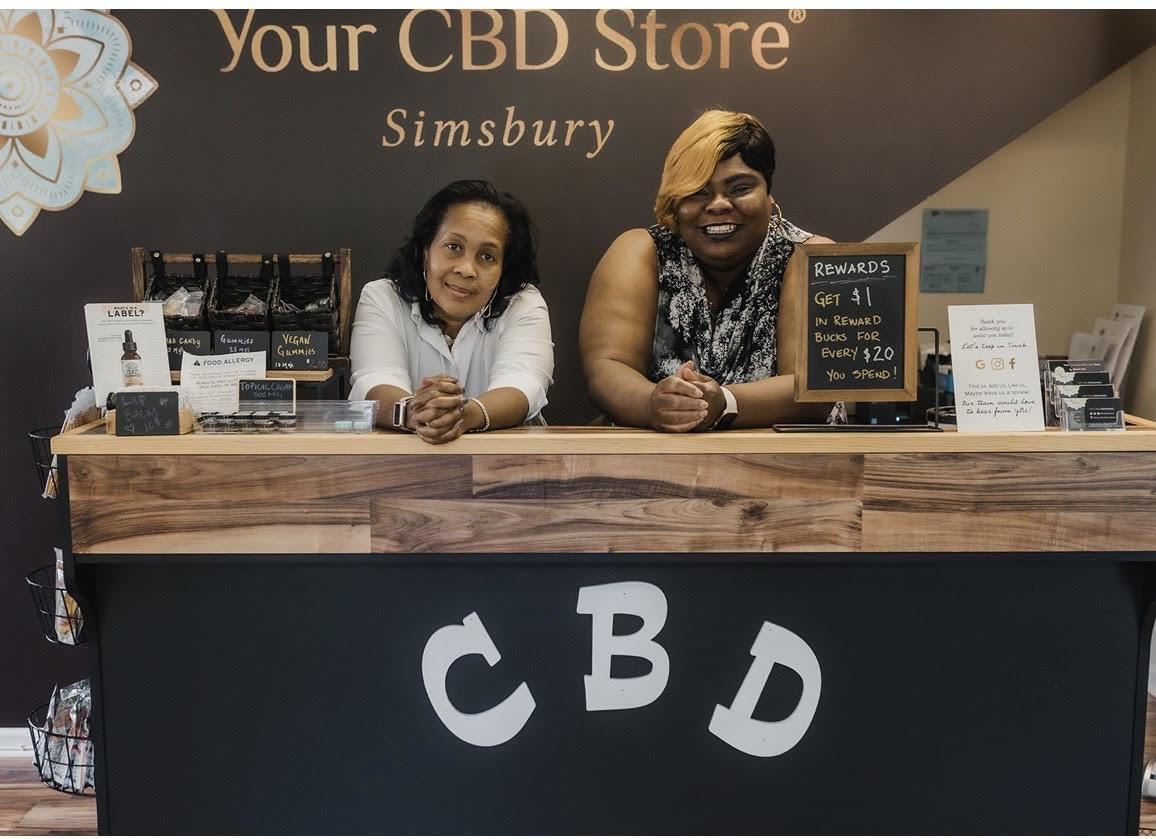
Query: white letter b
(606,693)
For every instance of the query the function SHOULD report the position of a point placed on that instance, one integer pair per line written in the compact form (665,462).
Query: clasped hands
(437,411)
(686,401)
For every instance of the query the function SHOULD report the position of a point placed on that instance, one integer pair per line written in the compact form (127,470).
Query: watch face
(399,411)
(726,420)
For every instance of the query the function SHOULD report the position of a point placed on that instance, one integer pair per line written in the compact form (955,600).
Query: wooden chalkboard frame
(799,271)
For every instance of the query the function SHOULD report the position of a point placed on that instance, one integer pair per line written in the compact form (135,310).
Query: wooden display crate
(183,263)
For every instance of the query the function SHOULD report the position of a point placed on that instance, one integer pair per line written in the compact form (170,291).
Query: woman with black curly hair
(456,338)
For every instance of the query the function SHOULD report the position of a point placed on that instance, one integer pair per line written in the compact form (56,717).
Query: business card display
(994,361)
(1092,414)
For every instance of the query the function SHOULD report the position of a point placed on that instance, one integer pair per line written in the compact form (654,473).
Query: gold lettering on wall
(330,49)
(235,39)
(759,46)
(587,135)
(259,53)
(561,38)
(704,46)
(490,37)
(691,45)
(616,38)
(479,40)
(281,46)
(403,41)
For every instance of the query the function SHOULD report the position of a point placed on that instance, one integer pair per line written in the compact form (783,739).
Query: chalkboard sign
(858,318)
(298,350)
(239,340)
(268,390)
(194,342)
(147,413)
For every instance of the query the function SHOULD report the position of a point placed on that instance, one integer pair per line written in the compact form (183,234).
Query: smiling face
(463,263)
(726,221)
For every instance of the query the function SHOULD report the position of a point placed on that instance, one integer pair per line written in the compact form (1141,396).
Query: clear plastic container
(313,417)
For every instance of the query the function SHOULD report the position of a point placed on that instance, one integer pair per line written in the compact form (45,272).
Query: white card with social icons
(996,368)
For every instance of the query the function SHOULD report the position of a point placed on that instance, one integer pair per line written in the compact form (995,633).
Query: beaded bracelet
(485,414)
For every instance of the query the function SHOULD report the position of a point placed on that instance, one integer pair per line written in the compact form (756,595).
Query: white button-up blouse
(392,345)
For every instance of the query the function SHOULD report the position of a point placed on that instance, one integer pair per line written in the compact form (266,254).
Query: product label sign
(194,342)
(268,390)
(147,413)
(299,350)
(235,340)
(126,346)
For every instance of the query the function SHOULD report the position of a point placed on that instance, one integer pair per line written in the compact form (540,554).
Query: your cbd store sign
(734,724)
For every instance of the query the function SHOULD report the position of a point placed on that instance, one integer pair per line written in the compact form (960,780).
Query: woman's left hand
(438,409)
(711,391)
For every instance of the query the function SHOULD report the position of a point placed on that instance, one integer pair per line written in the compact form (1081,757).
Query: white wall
(1055,196)
(1138,232)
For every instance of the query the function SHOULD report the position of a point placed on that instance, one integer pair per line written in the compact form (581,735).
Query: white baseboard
(15,742)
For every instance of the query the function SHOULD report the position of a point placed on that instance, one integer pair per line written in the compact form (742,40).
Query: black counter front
(285,645)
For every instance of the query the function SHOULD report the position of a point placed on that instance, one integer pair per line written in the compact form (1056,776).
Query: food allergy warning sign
(858,318)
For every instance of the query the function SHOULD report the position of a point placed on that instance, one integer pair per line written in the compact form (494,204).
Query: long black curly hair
(519,260)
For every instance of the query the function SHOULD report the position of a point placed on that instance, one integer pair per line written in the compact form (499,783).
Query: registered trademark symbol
(797,15)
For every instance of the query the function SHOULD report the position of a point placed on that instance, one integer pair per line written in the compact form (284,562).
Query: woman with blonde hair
(688,325)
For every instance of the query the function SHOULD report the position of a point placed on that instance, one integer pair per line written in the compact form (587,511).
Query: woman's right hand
(436,412)
(677,405)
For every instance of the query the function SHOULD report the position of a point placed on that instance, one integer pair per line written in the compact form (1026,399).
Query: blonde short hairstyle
(710,139)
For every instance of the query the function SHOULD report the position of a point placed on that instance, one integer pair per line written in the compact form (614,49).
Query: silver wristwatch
(401,412)
(729,413)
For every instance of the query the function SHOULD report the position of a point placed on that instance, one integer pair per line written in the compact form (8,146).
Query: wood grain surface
(617,442)
(29,808)
(601,503)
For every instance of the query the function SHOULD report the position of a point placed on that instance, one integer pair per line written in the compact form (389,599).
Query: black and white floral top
(742,345)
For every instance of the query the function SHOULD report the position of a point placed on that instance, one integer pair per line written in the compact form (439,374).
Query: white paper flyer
(210,381)
(126,345)
(996,368)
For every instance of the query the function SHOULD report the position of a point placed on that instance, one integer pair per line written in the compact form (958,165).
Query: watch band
(729,413)
(401,413)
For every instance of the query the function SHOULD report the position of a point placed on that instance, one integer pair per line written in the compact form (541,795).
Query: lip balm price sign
(858,318)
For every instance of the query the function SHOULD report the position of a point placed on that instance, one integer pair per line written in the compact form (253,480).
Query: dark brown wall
(872,112)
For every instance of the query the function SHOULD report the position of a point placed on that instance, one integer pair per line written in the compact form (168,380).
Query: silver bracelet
(485,414)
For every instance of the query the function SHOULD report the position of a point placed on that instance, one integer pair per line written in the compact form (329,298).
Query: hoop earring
(425,282)
(487,310)
(776,216)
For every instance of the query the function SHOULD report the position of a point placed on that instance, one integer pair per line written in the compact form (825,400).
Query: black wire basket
(46,472)
(161,284)
(59,614)
(64,762)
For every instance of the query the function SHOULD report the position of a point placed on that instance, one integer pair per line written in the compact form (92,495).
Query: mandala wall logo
(67,92)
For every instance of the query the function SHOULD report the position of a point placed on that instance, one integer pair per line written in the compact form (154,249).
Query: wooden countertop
(562,440)
(606,490)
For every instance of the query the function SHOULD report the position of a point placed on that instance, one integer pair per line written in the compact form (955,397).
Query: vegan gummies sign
(996,368)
